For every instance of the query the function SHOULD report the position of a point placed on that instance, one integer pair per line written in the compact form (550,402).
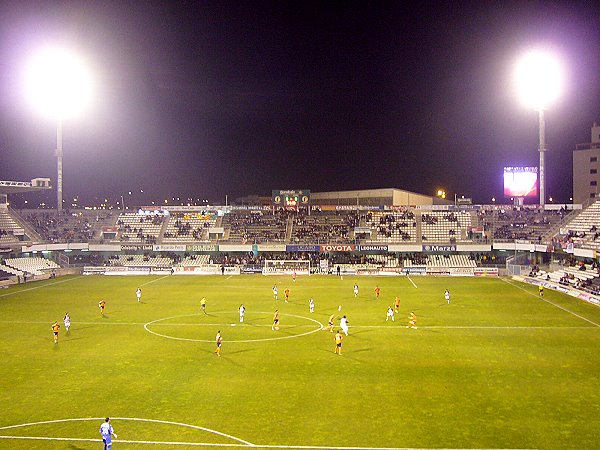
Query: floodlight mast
(542,149)
(59,166)
(59,85)
(539,78)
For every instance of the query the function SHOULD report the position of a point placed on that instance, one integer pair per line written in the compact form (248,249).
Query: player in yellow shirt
(330,323)
(412,321)
(218,340)
(55,328)
(287,294)
(397,303)
(203,304)
(102,305)
(541,290)
(275,325)
(377,292)
(338,342)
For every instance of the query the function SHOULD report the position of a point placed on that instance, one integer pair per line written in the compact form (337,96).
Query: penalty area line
(413,283)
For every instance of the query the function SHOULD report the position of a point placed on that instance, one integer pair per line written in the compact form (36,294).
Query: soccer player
(294,276)
(102,305)
(275,325)
(377,292)
(396,304)
(355,290)
(338,342)
(242,311)
(67,321)
(412,321)
(331,322)
(541,290)
(106,430)
(287,294)
(344,325)
(138,294)
(218,340)
(447,295)
(390,314)
(275,292)
(203,304)
(311,305)
(55,328)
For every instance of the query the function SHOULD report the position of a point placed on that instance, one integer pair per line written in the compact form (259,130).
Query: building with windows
(586,167)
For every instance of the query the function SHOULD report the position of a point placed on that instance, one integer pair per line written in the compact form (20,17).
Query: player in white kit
(344,325)
(67,321)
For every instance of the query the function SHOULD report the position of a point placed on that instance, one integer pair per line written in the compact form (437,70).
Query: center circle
(274,338)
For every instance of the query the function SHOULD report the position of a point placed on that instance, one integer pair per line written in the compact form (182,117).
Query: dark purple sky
(204,99)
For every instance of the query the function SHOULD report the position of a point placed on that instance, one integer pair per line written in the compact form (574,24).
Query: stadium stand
(189,227)
(140,261)
(584,228)
(257,226)
(33,266)
(10,230)
(323,227)
(530,222)
(445,226)
(140,228)
(194,260)
(397,226)
(441,261)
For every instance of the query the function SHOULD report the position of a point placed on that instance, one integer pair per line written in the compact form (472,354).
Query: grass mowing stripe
(551,303)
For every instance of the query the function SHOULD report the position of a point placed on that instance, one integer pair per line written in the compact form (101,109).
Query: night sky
(204,99)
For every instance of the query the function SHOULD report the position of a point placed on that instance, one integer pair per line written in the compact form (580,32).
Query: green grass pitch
(497,368)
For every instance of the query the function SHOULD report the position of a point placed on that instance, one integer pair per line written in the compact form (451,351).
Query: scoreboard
(291,198)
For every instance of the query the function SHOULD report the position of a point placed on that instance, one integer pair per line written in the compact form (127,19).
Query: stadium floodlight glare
(539,79)
(59,85)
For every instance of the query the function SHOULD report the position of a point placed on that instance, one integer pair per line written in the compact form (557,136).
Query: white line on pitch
(40,286)
(551,303)
(153,281)
(208,444)
(413,283)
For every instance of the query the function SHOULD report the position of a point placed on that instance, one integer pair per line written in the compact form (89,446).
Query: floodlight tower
(539,80)
(58,84)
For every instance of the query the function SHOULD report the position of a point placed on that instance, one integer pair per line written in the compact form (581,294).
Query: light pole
(59,85)
(539,80)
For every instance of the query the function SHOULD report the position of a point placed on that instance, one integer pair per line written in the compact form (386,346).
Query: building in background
(586,167)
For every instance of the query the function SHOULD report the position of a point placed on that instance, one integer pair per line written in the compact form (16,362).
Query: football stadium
(508,359)
(299,226)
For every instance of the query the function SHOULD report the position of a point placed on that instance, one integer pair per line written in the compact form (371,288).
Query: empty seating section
(324,228)
(140,261)
(445,226)
(77,226)
(397,226)
(9,228)
(450,261)
(584,229)
(139,228)
(256,226)
(194,260)
(34,266)
(183,227)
